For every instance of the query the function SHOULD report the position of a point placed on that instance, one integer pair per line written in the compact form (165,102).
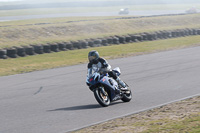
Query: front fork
(103,91)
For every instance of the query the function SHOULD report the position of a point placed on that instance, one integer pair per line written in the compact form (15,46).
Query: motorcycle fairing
(105,81)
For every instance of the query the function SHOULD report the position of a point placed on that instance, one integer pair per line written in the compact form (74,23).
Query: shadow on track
(82,107)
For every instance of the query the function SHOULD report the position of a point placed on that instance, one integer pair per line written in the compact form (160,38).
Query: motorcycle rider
(96,63)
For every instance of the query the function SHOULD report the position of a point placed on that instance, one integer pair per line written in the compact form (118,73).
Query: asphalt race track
(58,100)
(91,14)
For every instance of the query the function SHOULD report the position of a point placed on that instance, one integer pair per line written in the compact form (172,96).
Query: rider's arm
(105,66)
(89,72)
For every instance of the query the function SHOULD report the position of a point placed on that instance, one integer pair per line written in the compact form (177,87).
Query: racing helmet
(93,56)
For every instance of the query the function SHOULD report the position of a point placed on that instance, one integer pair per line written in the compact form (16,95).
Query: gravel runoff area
(163,119)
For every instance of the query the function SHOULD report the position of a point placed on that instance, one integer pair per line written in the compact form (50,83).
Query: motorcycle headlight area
(96,76)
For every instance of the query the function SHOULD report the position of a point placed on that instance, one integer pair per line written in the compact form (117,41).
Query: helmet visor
(91,58)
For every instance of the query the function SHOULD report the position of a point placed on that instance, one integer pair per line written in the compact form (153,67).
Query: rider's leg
(119,81)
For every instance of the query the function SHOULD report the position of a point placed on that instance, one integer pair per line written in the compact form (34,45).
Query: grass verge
(73,57)
(56,30)
(178,117)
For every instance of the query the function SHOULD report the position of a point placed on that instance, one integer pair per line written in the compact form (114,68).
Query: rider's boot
(119,81)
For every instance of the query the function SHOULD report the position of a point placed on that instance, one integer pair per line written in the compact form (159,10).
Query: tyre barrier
(29,50)
(84,44)
(144,36)
(194,31)
(12,52)
(128,39)
(139,38)
(198,31)
(3,54)
(69,46)
(96,42)
(23,51)
(115,40)
(54,47)
(149,37)
(46,48)
(90,42)
(104,41)
(109,40)
(122,39)
(62,46)
(38,49)
(133,38)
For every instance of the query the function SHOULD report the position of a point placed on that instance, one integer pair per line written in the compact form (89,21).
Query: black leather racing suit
(102,66)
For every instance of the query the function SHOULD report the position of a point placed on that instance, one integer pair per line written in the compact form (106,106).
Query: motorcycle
(106,89)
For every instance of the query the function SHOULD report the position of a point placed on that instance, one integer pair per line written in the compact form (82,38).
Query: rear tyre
(101,98)
(126,97)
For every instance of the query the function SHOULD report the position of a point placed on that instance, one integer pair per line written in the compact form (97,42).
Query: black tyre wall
(62,46)
(46,48)
(29,50)
(115,40)
(39,49)
(84,44)
(3,54)
(12,52)
(69,46)
(21,51)
(54,47)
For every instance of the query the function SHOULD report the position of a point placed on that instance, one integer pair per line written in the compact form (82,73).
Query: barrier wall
(23,51)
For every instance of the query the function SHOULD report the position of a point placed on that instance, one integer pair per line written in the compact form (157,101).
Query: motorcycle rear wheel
(101,98)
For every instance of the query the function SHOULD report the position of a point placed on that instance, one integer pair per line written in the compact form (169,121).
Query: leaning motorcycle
(106,89)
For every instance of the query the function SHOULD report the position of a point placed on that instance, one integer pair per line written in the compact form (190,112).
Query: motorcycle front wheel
(126,97)
(101,98)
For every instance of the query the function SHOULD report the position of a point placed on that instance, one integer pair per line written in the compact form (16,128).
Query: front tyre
(126,97)
(101,98)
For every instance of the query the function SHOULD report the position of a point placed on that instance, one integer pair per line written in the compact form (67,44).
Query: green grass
(25,32)
(189,124)
(73,57)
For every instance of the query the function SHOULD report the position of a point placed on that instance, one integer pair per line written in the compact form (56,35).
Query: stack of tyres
(62,46)
(121,39)
(198,31)
(90,42)
(76,44)
(84,44)
(173,34)
(154,36)
(21,51)
(3,54)
(133,38)
(29,50)
(139,38)
(115,40)
(47,48)
(150,37)
(159,35)
(69,46)
(39,49)
(54,47)
(194,32)
(144,36)
(109,40)
(97,42)
(128,39)
(104,42)
(12,52)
